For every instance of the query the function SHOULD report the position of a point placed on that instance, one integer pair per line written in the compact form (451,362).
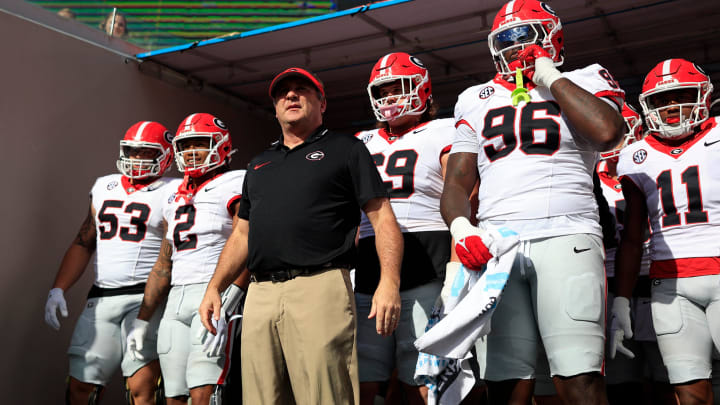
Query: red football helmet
(681,91)
(414,80)
(156,140)
(212,137)
(633,131)
(525,22)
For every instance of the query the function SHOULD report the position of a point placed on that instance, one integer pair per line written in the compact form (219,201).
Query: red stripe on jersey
(444,151)
(618,98)
(463,122)
(229,342)
(688,267)
(231,203)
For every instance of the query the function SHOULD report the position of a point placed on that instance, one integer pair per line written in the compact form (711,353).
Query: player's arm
(627,267)
(73,265)
(389,245)
(78,255)
(443,165)
(630,250)
(592,117)
(460,178)
(158,282)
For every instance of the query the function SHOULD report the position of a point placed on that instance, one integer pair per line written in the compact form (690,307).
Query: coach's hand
(136,338)
(55,302)
(469,244)
(386,307)
(620,327)
(210,309)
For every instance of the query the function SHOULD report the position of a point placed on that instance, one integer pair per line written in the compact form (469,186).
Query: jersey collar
(390,138)
(187,189)
(139,185)
(511,85)
(677,150)
(319,133)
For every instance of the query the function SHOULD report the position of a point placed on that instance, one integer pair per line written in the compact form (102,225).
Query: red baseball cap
(298,72)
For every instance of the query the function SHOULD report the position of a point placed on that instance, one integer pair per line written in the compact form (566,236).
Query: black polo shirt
(303,204)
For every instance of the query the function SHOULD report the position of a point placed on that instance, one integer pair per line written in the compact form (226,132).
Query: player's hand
(620,327)
(386,308)
(136,338)
(210,309)
(541,68)
(55,301)
(469,244)
(231,299)
(215,344)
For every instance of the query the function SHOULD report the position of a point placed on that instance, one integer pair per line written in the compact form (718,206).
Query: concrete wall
(64,105)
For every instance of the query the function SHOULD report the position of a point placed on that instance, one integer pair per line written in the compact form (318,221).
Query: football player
(410,149)
(626,372)
(534,157)
(199,218)
(123,229)
(670,177)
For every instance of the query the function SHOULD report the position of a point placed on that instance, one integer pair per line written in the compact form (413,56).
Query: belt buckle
(279,276)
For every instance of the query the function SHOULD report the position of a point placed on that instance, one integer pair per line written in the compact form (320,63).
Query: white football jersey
(199,228)
(128,222)
(682,190)
(535,173)
(612,191)
(409,164)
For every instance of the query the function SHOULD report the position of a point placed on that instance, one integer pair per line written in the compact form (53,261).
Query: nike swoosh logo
(257,166)
(209,188)
(419,130)
(576,250)
(711,143)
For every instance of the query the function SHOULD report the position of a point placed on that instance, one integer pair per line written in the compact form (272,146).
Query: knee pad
(217,395)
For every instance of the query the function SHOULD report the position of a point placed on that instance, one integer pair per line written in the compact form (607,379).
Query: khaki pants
(299,343)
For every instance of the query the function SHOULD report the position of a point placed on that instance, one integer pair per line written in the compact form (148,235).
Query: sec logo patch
(486,92)
(639,156)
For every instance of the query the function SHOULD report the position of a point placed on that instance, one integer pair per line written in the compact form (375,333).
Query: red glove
(469,246)
(526,59)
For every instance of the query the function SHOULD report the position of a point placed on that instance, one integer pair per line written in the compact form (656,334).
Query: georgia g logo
(639,156)
(417,62)
(547,8)
(219,124)
(168,136)
(317,155)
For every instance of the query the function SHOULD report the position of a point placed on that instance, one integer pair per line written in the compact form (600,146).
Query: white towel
(444,361)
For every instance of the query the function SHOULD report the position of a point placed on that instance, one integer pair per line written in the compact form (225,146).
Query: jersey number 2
(190,241)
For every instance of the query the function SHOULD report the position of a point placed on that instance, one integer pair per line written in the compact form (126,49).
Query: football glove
(55,301)
(620,327)
(543,72)
(136,338)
